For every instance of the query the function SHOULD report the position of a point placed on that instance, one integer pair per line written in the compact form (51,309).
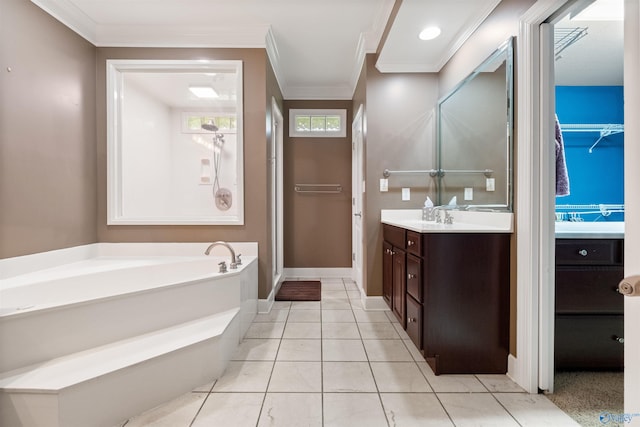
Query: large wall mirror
(175,147)
(475,128)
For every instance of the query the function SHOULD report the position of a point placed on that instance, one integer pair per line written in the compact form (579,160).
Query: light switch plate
(406,194)
(384,185)
(491,184)
(468,193)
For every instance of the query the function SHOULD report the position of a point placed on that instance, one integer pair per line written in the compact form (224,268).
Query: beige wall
(47,133)
(399,135)
(256,228)
(317,227)
(498,27)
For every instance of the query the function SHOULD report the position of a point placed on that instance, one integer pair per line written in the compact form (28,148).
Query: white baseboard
(316,273)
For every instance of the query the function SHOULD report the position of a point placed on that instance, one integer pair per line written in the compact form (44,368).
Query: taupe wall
(317,227)
(256,228)
(47,133)
(500,25)
(399,135)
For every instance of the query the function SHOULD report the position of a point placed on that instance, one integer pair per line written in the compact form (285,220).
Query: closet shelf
(604,129)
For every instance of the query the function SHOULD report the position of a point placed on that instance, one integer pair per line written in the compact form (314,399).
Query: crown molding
(181,36)
(464,35)
(343,92)
(274,58)
(67,13)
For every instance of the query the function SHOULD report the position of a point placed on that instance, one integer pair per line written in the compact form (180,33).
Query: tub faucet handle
(223,267)
(238,260)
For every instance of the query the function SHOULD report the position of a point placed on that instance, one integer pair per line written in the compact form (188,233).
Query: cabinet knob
(618,339)
(410,243)
(411,276)
(583,252)
(411,320)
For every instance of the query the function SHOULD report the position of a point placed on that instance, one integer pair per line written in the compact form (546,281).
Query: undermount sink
(463,221)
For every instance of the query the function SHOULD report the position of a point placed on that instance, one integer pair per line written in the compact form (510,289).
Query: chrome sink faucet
(234,261)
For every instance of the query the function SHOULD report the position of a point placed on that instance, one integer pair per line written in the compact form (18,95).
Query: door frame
(277,188)
(532,199)
(533,223)
(357,191)
(632,206)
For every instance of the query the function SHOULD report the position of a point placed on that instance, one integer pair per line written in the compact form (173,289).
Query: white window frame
(342,113)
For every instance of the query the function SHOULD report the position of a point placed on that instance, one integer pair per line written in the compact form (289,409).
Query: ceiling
(316,47)
(595,59)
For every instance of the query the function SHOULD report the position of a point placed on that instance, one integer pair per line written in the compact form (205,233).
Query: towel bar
(318,188)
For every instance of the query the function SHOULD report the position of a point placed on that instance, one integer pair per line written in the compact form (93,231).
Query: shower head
(209,126)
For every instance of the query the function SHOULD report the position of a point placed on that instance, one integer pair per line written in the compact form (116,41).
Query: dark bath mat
(299,290)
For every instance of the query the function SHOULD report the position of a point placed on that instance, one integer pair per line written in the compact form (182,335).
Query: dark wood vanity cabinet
(394,270)
(456,297)
(589,310)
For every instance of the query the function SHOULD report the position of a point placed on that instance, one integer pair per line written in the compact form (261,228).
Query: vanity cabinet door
(399,285)
(414,243)
(414,277)
(414,321)
(387,273)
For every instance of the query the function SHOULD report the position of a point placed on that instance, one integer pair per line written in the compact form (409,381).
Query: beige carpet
(587,395)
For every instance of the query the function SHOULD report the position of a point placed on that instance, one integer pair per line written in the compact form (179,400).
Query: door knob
(358,214)
(583,252)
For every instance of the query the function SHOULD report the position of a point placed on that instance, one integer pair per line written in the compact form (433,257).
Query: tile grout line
(273,366)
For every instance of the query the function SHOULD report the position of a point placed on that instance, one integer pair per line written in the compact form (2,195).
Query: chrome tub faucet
(234,260)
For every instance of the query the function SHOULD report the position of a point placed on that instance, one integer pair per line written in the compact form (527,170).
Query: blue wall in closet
(596,177)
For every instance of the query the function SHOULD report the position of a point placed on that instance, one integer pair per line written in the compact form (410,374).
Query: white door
(357,188)
(632,205)
(275,164)
(546,370)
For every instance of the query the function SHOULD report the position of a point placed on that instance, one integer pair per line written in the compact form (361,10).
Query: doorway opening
(583,55)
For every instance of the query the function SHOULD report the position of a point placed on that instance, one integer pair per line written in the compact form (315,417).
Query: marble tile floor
(332,364)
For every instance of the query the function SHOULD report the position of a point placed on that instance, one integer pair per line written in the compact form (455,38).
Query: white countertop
(590,230)
(463,221)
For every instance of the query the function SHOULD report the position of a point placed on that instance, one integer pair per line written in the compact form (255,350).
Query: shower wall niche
(175,142)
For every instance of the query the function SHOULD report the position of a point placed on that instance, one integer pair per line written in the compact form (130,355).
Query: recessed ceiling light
(429,33)
(602,10)
(203,91)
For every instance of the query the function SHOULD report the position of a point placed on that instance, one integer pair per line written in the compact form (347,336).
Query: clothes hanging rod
(437,172)
(318,188)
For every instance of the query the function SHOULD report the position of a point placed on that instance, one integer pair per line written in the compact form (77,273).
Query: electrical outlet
(468,193)
(384,185)
(406,194)
(491,184)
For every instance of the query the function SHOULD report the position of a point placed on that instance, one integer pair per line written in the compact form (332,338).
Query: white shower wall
(187,152)
(162,165)
(146,158)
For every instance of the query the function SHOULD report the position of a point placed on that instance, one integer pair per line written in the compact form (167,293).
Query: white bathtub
(73,303)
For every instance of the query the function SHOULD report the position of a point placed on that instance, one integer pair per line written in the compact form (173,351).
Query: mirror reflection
(474,136)
(175,142)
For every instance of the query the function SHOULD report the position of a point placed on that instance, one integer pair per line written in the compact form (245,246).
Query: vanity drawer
(589,342)
(588,251)
(414,321)
(414,278)
(589,289)
(414,243)
(394,235)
